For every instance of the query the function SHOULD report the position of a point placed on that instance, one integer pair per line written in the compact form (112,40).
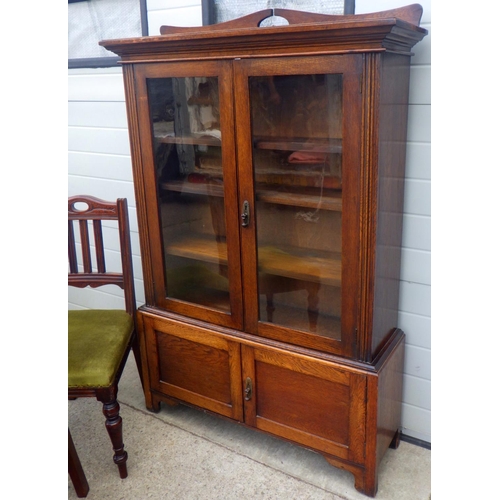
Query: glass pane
(297,155)
(187,155)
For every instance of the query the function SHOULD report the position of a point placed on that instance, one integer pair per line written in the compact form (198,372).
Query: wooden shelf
(202,140)
(306,267)
(329,202)
(333,203)
(199,248)
(299,144)
(329,146)
(201,188)
(164,132)
(291,263)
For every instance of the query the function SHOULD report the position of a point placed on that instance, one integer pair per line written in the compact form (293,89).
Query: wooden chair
(75,470)
(99,340)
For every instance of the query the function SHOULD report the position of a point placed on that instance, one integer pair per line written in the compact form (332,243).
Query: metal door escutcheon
(245,214)
(248,389)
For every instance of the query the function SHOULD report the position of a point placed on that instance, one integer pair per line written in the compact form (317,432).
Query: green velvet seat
(97,343)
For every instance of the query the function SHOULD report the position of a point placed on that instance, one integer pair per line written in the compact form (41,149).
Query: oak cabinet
(269,168)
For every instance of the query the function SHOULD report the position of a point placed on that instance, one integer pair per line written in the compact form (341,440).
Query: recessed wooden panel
(304,402)
(316,403)
(195,367)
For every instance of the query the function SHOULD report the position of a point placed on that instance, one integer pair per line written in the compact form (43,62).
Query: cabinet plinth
(268,171)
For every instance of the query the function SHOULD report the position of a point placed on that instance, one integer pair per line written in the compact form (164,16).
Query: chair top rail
(89,207)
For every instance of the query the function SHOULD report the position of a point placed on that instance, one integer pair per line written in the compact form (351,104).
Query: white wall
(99,160)
(99,164)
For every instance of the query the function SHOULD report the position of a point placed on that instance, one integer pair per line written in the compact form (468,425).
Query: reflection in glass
(297,157)
(187,154)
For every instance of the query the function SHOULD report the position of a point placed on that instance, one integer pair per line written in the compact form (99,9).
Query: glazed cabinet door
(186,127)
(298,124)
(309,401)
(194,365)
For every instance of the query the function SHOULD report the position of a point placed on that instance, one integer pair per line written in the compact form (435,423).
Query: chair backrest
(85,212)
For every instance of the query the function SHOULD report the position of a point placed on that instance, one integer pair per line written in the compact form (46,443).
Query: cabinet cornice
(339,36)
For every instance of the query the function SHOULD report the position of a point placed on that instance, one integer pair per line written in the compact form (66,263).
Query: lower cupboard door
(195,366)
(312,402)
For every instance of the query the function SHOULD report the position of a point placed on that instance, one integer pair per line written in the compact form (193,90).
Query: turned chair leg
(111,411)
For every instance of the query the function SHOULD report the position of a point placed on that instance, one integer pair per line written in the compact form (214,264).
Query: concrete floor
(185,454)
